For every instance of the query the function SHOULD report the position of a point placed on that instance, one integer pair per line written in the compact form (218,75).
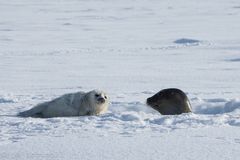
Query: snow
(131,49)
(184,144)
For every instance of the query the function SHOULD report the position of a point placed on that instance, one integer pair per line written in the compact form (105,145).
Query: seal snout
(148,101)
(101,100)
(151,101)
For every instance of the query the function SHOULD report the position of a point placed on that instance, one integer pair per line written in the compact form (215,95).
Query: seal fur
(73,104)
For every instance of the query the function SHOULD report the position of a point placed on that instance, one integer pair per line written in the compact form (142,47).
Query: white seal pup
(73,104)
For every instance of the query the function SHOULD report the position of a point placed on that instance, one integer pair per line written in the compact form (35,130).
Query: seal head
(170,101)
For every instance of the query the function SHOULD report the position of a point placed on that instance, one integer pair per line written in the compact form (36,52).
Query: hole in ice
(186,41)
(234,60)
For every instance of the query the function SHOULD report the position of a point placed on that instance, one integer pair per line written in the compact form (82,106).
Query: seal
(73,104)
(170,101)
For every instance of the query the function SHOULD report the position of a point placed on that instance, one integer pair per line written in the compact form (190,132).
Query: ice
(2,100)
(132,50)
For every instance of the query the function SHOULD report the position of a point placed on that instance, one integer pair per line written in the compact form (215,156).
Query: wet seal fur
(73,104)
(170,101)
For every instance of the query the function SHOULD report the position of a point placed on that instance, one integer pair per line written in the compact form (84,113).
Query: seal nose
(101,99)
(148,101)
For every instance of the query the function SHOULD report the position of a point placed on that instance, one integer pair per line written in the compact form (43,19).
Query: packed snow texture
(131,49)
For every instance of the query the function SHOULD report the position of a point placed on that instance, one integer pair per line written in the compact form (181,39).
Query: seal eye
(105,97)
(97,95)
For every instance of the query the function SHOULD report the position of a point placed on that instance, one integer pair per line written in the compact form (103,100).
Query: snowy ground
(131,49)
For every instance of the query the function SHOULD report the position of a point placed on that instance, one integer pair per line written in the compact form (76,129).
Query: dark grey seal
(170,101)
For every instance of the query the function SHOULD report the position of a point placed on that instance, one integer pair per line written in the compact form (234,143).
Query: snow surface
(131,49)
